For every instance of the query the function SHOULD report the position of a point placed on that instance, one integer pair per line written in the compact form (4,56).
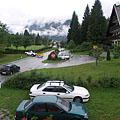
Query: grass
(6,58)
(32,47)
(80,53)
(11,98)
(103,105)
(104,68)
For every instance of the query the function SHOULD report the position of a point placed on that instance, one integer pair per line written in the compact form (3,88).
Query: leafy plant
(108,55)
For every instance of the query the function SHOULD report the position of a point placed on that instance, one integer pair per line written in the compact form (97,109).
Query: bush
(108,55)
(25,81)
(110,82)
(85,46)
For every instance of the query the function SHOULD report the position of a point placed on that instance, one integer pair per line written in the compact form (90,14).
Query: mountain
(54,29)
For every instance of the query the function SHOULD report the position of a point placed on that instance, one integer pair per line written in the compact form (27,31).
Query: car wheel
(75,119)
(11,73)
(78,99)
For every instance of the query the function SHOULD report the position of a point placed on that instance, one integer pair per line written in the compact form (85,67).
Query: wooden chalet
(113,32)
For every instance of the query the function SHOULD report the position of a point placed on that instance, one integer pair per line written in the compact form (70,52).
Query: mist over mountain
(54,29)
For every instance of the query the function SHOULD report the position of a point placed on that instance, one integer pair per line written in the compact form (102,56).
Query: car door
(56,112)
(63,93)
(38,110)
(49,90)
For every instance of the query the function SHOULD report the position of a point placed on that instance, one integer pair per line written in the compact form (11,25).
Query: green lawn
(53,61)
(80,53)
(11,98)
(105,68)
(103,105)
(6,58)
(32,47)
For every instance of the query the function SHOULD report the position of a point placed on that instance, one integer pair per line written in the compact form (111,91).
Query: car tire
(75,119)
(78,99)
(11,73)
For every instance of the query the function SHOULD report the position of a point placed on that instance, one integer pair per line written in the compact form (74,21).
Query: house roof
(117,10)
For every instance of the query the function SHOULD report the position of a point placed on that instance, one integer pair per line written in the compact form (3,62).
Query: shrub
(25,81)
(110,82)
(85,46)
(89,79)
(108,55)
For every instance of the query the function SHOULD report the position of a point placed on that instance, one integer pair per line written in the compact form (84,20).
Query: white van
(65,55)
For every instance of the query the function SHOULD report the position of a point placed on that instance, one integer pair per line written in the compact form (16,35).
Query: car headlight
(87,95)
(85,115)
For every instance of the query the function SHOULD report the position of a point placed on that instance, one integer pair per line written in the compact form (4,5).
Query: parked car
(65,55)
(31,53)
(40,55)
(45,106)
(59,88)
(9,69)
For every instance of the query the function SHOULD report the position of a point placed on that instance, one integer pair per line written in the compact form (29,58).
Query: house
(53,55)
(113,32)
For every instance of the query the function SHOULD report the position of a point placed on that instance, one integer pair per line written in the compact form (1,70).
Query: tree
(38,40)
(96,53)
(71,45)
(98,24)
(3,37)
(108,55)
(85,24)
(16,40)
(74,30)
(26,39)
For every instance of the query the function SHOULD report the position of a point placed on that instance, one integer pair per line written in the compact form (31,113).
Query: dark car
(43,107)
(9,69)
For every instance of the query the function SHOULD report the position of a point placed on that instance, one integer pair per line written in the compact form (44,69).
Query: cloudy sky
(18,12)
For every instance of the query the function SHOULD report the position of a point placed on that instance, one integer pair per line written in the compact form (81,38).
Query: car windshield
(41,85)
(70,88)
(28,103)
(64,104)
(5,67)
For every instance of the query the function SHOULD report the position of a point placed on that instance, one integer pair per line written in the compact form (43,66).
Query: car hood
(82,90)
(34,88)
(78,109)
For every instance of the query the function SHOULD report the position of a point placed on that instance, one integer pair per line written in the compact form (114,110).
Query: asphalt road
(31,63)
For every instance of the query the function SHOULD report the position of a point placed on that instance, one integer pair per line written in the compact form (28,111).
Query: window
(49,89)
(33,108)
(60,89)
(53,108)
(38,108)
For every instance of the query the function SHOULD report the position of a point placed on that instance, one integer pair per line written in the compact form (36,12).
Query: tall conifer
(74,30)
(85,24)
(98,24)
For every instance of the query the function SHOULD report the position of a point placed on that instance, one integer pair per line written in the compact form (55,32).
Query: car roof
(45,99)
(54,83)
(8,65)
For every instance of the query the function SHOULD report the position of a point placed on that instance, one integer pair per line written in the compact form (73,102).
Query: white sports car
(59,88)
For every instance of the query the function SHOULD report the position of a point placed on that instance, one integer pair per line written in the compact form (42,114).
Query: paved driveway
(36,63)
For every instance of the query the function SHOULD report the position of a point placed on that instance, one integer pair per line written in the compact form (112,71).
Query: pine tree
(38,40)
(85,24)
(69,36)
(98,24)
(74,30)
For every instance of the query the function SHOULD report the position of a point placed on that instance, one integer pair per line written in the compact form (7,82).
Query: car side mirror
(67,92)
(62,112)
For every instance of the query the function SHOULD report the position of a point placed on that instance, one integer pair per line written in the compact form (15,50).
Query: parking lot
(31,63)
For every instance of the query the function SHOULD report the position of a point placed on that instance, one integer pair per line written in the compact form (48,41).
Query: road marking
(45,64)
